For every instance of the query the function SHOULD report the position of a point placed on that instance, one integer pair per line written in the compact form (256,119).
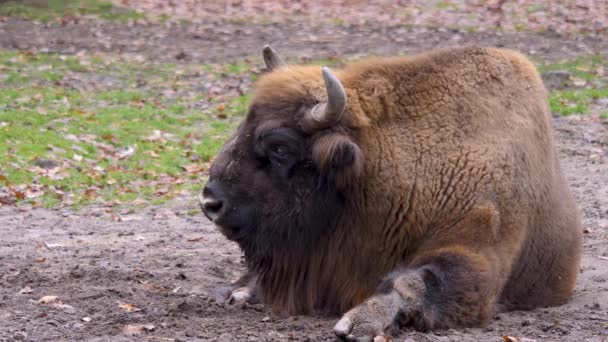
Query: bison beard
(422,191)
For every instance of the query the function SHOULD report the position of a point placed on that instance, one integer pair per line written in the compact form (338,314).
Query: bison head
(279,184)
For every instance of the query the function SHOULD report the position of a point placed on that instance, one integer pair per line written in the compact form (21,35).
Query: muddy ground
(149,275)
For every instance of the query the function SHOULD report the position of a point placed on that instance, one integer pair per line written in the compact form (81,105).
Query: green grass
(592,71)
(45,11)
(584,67)
(566,102)
(171,140)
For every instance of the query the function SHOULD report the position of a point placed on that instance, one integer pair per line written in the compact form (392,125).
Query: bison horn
(272,59)
(328,113)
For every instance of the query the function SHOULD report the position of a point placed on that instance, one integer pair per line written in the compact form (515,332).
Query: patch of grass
(238,105)
(25,68)
(583,67)
(338,22)
(590,71)
(443,5)
(213,140)
(535,7)
(566,102)
(120,96)
(138,142)
(49,10)
(237,67)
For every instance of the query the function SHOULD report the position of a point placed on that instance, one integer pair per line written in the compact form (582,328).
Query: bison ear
(338,159)
(272,59)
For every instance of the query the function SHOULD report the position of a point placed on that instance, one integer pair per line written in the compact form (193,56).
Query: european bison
(419,190)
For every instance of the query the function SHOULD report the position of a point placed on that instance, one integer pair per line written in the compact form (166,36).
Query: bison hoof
(240,295)
(370,320)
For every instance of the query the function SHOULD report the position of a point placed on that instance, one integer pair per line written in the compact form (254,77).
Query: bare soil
(151,275)
(219,42)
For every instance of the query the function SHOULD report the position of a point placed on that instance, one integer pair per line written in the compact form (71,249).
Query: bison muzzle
(422,191)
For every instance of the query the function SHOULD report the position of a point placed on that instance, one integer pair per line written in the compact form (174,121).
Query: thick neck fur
(336,269)
(312,266)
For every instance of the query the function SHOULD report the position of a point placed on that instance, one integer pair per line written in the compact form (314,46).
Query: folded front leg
(448,287)
(244,289)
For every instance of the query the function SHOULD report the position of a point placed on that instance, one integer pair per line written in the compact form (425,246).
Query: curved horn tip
(335,89)
(272,58)
(329,77)
(327,74)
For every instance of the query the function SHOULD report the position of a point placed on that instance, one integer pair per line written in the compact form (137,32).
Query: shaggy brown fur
(440,186)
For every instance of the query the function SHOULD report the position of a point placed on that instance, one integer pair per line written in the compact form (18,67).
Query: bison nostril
(212,201)
(212,205)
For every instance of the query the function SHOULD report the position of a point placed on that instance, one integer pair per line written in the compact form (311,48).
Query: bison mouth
(238,226)
(233,215)
(232,233)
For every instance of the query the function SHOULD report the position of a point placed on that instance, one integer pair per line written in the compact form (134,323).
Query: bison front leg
(372,319)
(448,287)
(244,289)
(241,290)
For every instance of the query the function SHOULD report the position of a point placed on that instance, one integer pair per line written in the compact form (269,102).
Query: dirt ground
(150,275)
(220,42)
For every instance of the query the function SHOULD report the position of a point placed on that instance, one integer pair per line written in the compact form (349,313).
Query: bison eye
(279,151)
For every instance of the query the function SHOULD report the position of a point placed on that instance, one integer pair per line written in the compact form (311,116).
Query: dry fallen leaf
(125,152)
(158,135)
(130,329)
(194,168)
(90,193)
(47,299)
(152,154)
(578,82)
(127,306)
(195,239)
(139,201)
(19,195)
(137,329)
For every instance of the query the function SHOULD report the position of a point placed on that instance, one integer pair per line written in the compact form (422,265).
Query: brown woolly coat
(456,157)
